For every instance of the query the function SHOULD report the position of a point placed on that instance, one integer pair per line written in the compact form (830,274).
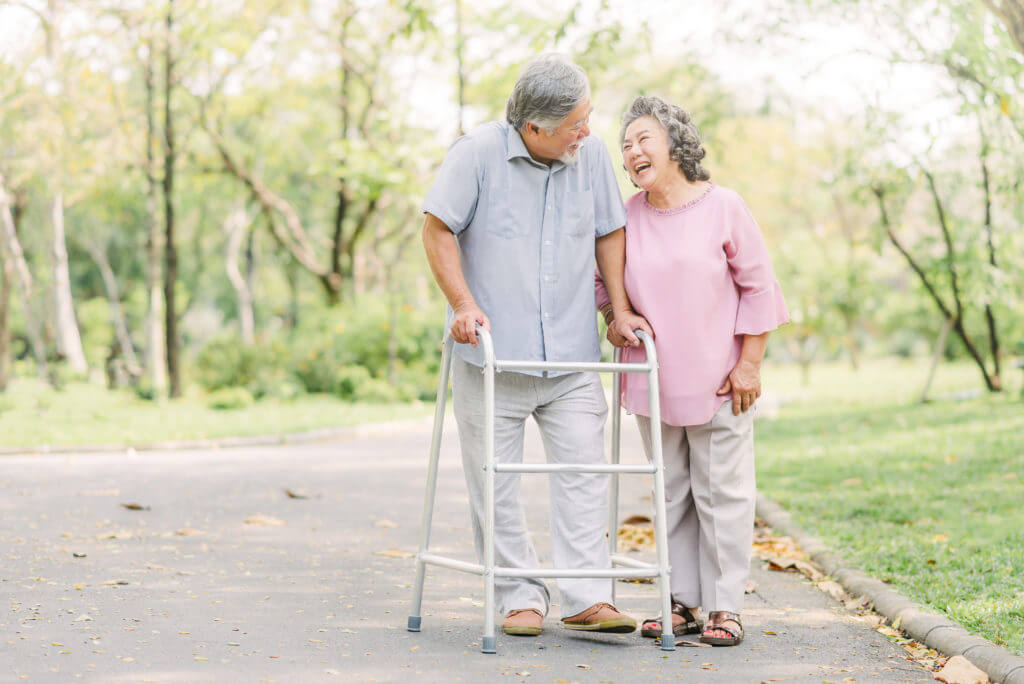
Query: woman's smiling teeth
(641,167)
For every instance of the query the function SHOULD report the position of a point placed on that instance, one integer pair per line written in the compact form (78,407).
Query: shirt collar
(515,145)
(517,148)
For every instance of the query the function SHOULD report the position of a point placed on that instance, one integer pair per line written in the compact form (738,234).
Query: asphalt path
(222,575)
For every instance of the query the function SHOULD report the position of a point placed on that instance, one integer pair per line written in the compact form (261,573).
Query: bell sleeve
(762,308)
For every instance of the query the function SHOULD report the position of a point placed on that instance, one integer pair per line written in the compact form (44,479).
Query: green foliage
(230,398)
(226,362)
(339,350)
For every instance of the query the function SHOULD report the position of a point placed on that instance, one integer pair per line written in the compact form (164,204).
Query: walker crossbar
(571,468)
(633,569)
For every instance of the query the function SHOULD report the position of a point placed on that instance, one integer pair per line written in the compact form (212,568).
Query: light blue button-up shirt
(526,235)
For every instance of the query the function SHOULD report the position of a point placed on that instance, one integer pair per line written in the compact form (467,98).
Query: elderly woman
(697,269)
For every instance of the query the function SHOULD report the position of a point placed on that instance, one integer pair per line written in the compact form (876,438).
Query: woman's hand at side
(744,383)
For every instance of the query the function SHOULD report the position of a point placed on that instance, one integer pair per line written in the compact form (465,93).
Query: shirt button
(547,315)
(547,242)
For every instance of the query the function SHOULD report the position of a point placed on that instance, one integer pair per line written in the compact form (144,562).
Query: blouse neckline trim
(681,208)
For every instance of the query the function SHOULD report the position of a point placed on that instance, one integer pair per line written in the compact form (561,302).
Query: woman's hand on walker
(464,327)
(744,383)
(621,327)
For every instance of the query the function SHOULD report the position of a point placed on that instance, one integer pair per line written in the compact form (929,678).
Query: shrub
(230,398)
(227,362)
(350,382)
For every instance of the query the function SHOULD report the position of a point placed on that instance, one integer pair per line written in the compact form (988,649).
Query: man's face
(564,143)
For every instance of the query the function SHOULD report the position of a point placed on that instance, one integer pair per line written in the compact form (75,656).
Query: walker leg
(489,640)
(415,619)
(613,485)
(668,639)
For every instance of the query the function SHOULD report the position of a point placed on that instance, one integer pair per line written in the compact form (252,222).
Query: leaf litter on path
(264,521)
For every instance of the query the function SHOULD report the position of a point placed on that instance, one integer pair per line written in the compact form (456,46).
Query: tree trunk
(24,278)
(291,274)
(117,318)
(957,318)
(69,341)
(156,354)
(236,225)
(990,318)
(170,255)
(940,345)
(5,327)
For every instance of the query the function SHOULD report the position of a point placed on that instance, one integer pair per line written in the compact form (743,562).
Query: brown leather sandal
(691,623)
(717,620)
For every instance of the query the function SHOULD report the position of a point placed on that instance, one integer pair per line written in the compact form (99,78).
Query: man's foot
(723,629)
(523,622)
(601,617)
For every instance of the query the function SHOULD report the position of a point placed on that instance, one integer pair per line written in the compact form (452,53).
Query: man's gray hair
(549,88)
(684,145)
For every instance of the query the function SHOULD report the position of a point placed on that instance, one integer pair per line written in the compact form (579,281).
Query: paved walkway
(315,589)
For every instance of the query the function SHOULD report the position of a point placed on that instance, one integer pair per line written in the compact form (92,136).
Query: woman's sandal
(651,627)
(716,621)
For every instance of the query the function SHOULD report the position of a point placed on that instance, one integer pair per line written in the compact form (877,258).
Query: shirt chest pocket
(578,214)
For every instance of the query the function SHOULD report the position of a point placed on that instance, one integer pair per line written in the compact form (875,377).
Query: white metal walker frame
(632,568)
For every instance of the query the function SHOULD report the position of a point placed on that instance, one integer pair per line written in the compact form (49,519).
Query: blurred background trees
(225,195)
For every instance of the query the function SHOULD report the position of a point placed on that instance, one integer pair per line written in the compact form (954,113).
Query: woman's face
(645,153)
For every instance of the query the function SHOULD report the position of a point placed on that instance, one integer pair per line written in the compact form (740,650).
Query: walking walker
(631,568)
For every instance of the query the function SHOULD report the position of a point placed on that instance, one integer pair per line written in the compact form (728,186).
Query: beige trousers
(709,503)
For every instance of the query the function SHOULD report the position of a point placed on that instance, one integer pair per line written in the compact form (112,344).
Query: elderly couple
(518,212)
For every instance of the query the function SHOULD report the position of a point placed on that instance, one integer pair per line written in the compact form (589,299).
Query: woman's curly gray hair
(684,145)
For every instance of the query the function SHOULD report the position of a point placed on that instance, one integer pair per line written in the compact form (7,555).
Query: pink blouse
(701,276)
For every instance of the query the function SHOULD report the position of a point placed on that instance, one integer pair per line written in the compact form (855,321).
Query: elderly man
(513,222)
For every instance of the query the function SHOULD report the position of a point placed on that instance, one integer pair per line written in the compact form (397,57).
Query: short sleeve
(453,196)
(609,213)
(762,307)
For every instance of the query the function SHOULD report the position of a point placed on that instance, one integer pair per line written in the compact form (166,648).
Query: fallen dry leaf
(293,494)
(264,520)
(386,524)
(393,553)
(960,670)
(750,587)
(636,537)
(688,642)
(132,506)
(187,532)
(637,520)
(833,589)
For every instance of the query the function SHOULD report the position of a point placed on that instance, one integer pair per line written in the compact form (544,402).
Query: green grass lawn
(32,414)
(928,497)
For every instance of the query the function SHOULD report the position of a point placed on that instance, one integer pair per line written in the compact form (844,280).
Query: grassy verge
(32,414)
(927,497)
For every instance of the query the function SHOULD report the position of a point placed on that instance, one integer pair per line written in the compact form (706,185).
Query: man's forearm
(610,251)
(443,257)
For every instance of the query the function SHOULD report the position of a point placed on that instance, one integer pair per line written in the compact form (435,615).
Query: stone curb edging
(318,435)
(931,629)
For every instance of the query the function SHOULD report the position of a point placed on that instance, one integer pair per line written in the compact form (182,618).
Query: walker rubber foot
(490,645)
(667,644)
(414,623)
